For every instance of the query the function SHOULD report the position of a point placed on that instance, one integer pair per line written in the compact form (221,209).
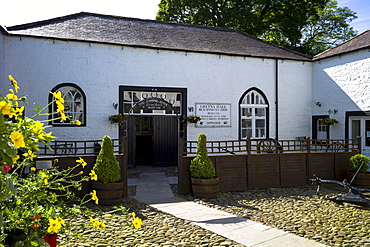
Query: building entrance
(153,126)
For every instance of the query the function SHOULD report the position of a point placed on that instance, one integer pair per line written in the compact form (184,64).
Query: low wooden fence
(67,152)
(246,164)
(77,148)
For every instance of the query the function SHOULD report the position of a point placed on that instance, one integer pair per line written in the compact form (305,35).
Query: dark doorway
(153,127)
(152,141)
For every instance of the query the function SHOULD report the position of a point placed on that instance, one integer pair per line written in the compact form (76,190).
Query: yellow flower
(82,162)
(18,139)
(97,224)
(58,97)
(94,196)
(137,222)
(54,225)
(30,155)
(94,222)
(93,175)
(133,215)
(37,127)
(33,169)
(44,176)
(13,97)
(81,172)
(5,107)
(61,221)
(14,82)
(60,109)
(19,111)
(15,159)
(77,122)
(101,225)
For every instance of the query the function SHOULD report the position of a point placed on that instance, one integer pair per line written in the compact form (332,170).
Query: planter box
(205,188)
(362,180)
(108,193)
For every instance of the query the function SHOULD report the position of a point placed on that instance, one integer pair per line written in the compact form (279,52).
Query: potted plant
(108,184)
(117,118)
(202,171)
(328,121)
(193,119)
(359,175)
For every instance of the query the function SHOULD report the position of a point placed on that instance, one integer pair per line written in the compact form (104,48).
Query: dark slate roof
(2,30)
(154,34)
(361,41)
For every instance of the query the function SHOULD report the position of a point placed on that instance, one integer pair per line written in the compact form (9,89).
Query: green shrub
(356,160)
(107,167)
(202,166)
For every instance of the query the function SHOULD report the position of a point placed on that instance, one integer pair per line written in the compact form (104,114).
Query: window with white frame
(74,104)
(253,115)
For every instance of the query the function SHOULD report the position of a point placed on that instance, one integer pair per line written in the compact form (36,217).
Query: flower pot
(362,180)
(108,193)
(205,188)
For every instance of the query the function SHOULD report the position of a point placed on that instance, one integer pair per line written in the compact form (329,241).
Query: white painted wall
(41,64)
(3,79)
(343,83)
(295,97)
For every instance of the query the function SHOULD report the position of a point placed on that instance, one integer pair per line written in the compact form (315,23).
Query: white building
(241,86)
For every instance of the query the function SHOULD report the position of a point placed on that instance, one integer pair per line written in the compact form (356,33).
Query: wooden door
(131,140)
(165,140)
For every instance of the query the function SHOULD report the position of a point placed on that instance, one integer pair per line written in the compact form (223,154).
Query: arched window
(74,104)
(253,115)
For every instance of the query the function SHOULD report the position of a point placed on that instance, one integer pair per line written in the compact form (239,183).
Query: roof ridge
(341,44)
(23,27)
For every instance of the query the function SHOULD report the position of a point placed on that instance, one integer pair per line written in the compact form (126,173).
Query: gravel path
(296,210)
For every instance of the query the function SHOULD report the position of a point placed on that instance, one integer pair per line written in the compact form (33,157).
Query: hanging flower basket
(328,121)
(193,119)
(118,118)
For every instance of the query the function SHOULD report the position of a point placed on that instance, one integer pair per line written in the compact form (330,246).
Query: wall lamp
(318,104)
(115,105)
(335,111)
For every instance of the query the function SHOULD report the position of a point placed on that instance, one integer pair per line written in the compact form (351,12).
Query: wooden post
(124,166)
(359,144)
(308,160)
(181,169)
(248,166)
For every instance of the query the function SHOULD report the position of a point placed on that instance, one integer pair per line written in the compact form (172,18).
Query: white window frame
(67,89)
(254,100)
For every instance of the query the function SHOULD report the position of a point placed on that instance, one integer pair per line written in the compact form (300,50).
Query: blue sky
(14,12)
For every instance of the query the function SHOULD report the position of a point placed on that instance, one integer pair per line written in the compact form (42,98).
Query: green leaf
(10,185)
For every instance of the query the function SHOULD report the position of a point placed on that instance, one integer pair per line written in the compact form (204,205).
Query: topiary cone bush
(356,160)
(202,166)
(107,167)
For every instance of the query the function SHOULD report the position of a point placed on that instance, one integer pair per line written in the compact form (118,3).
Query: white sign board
(213,114)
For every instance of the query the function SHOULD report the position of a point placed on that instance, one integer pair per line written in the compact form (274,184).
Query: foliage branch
(37,203)
(308,27)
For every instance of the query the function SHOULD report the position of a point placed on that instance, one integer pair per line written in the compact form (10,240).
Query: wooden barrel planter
(108,193)
(205,188)
(362,180)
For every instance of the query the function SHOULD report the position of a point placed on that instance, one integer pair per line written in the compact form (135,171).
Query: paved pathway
(154,190)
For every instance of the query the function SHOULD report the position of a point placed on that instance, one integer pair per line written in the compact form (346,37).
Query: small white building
(341,85)
(239,85)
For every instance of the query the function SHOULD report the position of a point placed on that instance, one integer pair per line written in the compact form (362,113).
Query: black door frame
(314,126)
(182,124)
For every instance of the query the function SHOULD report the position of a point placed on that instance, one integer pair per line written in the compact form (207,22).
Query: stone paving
(153,189)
